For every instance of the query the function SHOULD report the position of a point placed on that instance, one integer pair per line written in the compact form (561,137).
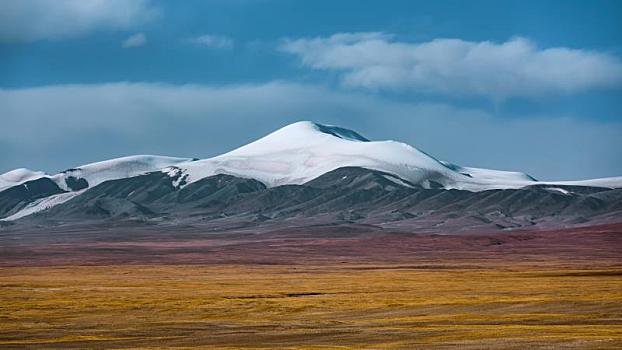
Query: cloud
(135,40)
(32,20)
(515,68)
(85,123)
(212,41)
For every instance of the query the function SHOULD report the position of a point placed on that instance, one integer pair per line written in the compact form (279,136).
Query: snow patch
(557,189)
(398,181)
(42,204)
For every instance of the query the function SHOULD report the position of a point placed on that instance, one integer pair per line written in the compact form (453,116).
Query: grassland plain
(328,306)
(347,287)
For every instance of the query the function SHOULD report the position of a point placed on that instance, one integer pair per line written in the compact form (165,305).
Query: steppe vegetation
(330,306)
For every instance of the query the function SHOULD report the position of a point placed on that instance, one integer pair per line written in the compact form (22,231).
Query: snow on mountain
(295,154)
(609,182)
(118,168)
(93,174)
(303,151)
(492,175)
(18,176)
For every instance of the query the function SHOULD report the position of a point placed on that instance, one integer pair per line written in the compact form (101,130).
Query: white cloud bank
(85,123)
(212,41)
(32,20)
(135,40)
(456,67)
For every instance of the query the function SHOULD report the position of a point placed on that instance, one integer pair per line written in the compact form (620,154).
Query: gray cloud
(456,67)
(32,20)
(56,127)
(212,41)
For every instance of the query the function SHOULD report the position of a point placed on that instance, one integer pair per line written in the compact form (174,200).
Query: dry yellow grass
(321,307)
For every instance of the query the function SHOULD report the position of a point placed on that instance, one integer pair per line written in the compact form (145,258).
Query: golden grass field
(310,307)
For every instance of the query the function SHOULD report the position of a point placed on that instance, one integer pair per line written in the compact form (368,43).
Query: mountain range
(305,174)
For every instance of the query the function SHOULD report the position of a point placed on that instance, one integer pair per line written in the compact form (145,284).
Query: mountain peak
(305,150)
(311,129)
(337,131)
(303,134)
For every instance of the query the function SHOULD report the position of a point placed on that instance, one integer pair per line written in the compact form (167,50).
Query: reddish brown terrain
(345,287)
(596,245)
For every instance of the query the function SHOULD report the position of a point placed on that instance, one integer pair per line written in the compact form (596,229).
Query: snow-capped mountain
(305,150)
(296,154)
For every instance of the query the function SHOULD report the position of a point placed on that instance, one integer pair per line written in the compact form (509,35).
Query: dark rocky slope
(346,195)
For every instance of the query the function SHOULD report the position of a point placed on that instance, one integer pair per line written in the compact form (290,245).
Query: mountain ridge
(296,154)
(348,195)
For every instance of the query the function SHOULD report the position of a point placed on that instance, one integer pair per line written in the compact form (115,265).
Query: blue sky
(534,86)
